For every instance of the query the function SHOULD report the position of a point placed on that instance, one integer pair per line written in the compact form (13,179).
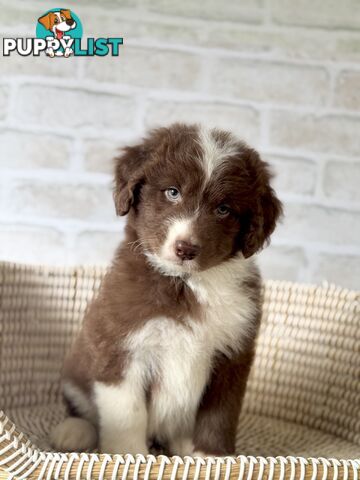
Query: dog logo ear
(45,20)
(129,174)
(67,13)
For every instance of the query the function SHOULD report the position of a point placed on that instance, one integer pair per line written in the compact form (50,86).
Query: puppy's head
(197,197)
(58,22)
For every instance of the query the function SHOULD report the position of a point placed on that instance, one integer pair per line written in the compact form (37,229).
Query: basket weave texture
(301,416)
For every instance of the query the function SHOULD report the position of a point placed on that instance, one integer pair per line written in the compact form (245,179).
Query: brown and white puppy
(166,347)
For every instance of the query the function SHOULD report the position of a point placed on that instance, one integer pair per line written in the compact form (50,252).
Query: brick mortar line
(333,76)
(76,228)
(91,134)
(317,247)
(264,129)
(64,224)
(268,20)
(222,53)
(129,135)
(322,202)
(90,179)
(76,156)
(179,96)
(140,114)
(319,191)
(87,133)
(311,265)
(84,133)
(82,177)
(308,155)
(12,101)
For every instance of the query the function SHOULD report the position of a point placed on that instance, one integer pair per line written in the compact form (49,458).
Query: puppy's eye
(222,211)
(172,194)
(63,18)
(56,20)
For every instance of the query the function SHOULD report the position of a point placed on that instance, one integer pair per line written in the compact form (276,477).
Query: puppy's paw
(74,435)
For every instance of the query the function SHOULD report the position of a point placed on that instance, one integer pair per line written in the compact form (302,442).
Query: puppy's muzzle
(185,250)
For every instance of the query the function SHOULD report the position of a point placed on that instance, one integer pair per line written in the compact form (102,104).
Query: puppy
(166,347)
(58,23)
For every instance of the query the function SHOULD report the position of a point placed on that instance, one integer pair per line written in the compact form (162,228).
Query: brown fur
(133,292)
(218,414)
(48,20)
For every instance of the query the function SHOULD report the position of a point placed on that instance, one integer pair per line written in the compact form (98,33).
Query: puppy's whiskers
(140,244)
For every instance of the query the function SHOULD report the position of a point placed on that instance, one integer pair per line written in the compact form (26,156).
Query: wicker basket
(301,417)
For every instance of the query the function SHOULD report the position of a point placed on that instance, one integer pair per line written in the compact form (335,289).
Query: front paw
(74,435)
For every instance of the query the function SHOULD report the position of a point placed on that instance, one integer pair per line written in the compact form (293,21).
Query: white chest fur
(176,358)
(174,361)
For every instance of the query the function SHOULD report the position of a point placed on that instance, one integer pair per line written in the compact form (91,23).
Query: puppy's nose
(185,250)
(69,22)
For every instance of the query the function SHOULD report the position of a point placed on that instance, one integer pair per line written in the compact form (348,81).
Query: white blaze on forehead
(214,152)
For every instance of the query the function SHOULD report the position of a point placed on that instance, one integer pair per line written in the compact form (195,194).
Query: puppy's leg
(74,434)
(218,414)
(77,433)
(122,417)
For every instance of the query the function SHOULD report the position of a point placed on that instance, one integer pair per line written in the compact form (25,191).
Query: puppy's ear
(67,13)
(46,21)
(129,174)
(265,213)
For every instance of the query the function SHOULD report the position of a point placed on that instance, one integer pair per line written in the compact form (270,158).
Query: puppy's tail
(74,434)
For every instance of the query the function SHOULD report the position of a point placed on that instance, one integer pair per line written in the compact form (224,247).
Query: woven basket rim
(102,268)
(69,466)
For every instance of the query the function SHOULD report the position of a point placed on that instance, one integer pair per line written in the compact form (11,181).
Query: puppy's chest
(179,355)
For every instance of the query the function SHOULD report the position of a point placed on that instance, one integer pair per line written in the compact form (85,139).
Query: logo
(59,34)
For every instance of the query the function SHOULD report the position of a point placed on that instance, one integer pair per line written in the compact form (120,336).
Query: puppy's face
(197,198)
(58,22)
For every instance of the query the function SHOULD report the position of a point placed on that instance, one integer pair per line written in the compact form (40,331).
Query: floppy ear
(46,20)
(129,174)
(67,13)
(265,213)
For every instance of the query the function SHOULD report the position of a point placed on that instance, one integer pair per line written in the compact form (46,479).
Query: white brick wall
(283,75)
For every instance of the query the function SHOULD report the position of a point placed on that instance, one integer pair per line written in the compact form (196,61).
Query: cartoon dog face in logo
(58,22)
